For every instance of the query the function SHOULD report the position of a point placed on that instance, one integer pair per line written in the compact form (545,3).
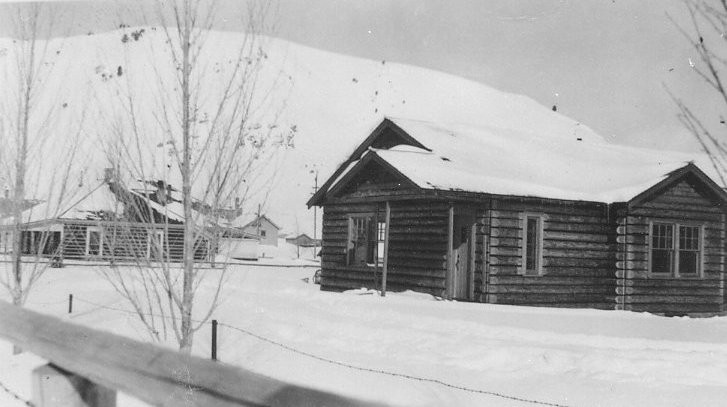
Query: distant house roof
(489,160)
(92,203)
(303,240)
(245,221)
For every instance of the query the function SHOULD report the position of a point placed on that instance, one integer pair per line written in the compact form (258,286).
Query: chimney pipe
(161,192)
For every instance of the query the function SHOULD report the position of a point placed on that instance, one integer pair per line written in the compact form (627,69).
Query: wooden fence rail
(155,375)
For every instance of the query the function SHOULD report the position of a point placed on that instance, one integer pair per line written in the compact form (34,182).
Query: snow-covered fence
(103,363)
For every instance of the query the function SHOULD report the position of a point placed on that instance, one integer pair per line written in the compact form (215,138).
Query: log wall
(578,255)
(641,291)
(417,247)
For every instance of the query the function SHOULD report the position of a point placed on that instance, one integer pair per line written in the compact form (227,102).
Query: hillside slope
(329,102)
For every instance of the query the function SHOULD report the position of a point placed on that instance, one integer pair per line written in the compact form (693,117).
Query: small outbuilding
(508,217)
(260,226)
(303,240)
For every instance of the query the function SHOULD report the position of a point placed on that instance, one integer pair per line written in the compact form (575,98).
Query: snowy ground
(568,357)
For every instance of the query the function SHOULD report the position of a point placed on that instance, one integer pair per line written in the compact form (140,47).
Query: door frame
(450,280)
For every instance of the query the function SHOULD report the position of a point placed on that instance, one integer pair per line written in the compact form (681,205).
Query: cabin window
(7,243)
(689,250)
(532,244)
(675,249)
(94,241)
(262,233)
(361,240)
(662,248)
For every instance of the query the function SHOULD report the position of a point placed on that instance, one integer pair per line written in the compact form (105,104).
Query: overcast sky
(602,62)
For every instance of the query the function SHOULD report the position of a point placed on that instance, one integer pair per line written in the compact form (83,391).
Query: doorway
(463,256)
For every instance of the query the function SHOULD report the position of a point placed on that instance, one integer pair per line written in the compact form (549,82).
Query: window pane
(662,236)
(661,261)
(362,245)
(531,244)
(689,237)
(688,262)
(94,243)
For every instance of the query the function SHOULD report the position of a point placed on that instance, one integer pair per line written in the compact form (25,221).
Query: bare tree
(32,113)
(217,127)
(706,34)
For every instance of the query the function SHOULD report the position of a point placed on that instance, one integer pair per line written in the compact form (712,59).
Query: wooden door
(462,253)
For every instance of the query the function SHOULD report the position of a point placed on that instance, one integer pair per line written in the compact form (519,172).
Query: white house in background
(260,226)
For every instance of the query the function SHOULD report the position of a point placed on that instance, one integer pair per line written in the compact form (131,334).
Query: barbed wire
(16,395)
(347,365)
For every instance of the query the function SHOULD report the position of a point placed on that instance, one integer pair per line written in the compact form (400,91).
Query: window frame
(676,228)
(94,229)
(372,219)
(538,270)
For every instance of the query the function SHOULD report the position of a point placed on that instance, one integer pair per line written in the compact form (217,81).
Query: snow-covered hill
(329,101)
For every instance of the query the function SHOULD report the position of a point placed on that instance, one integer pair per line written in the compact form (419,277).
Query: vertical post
(450,250)
(315,219)
(214,339)
(70,303)
(258,221)
(386,249)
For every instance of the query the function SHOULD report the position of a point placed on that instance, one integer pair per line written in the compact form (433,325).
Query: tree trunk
(185,344)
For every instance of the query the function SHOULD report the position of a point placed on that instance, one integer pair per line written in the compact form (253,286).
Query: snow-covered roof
(249,219)
(84,205)
(492,160)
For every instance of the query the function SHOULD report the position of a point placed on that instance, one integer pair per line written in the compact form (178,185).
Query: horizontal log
(609,272)
(506,223)
(437,247)
(504,269)
(505,251)
(505,260)
(417,254)
(551,289)
(609,305)
(572,236)
(350,208)
(418,271)
(573,262)
(147,372)
(632,265)
(416,281)
(580,253)
(425,263)
(552,280)
(675,299)
(673,282)
(501,206)
(668,215)
(514,298)
(436,232)
(689,205)
(668,291)
(507,242)
(418,221)
(676,309)
(601,229)
(507,233)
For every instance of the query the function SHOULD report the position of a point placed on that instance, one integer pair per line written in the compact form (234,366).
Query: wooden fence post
(214,339)
(70,303)
(55,387)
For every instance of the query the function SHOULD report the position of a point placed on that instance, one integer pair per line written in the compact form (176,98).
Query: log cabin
(506,217)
